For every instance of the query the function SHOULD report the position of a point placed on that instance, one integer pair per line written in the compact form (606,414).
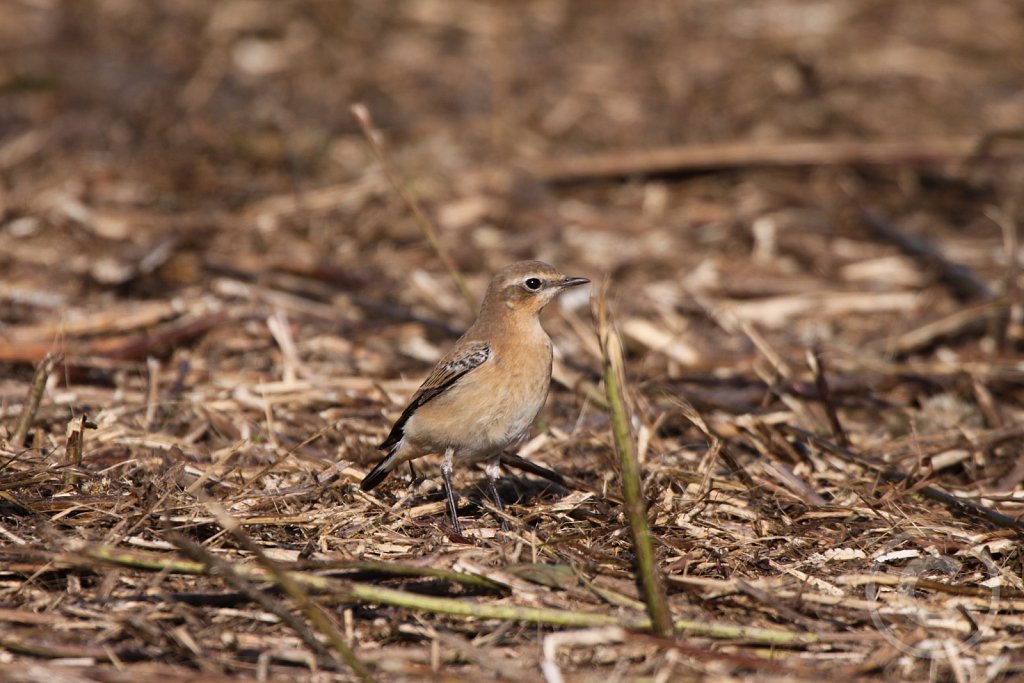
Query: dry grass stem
(691,158)
(373,137)
(31,405)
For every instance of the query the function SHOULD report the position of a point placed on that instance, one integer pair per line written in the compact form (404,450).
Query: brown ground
(190,213)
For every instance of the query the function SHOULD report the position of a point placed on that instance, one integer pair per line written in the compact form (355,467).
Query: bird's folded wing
(459,362)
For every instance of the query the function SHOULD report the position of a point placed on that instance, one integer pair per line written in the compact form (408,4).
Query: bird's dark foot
(499,509)
(453,506)
(505,526)
(493,472)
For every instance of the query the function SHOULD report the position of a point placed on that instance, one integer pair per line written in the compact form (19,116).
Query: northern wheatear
(482,397)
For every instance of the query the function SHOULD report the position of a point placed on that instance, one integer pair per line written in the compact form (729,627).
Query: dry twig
(31,404)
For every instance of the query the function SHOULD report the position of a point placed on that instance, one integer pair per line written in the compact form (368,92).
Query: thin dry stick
(35,396)
(719,447)
(890,474)
(312,610)
(131,346)
(817,365)
(1011,290)
(625,446)
(781,367)
(964,321)
(695,158)
(731,325)
(277,461)
(373,136)
(241,584)
(153,394)
(74,448)
(965,285)
(227,455)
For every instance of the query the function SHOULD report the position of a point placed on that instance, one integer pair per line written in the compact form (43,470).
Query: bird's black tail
(380,472)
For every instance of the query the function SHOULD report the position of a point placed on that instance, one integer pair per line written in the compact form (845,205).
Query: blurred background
(148,146)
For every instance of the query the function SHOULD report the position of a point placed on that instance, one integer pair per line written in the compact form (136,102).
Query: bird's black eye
(533,284)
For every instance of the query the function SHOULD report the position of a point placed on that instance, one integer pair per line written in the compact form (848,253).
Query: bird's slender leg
(446,475)
(493,473)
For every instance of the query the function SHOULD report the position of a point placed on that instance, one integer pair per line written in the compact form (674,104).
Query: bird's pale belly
(482,418)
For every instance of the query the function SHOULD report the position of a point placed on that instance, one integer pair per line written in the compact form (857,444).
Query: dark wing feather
(445,374)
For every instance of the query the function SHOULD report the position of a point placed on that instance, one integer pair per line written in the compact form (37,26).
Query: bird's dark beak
(573,282)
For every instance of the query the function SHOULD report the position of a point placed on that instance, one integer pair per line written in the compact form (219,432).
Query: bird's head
(527,287)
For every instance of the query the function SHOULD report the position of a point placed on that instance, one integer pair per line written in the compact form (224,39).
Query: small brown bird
(482,397)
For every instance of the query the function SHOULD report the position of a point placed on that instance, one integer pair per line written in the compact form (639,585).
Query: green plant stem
(625,447)
(364,593)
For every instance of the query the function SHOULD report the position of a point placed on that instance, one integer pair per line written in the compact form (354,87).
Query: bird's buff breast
(487,411)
